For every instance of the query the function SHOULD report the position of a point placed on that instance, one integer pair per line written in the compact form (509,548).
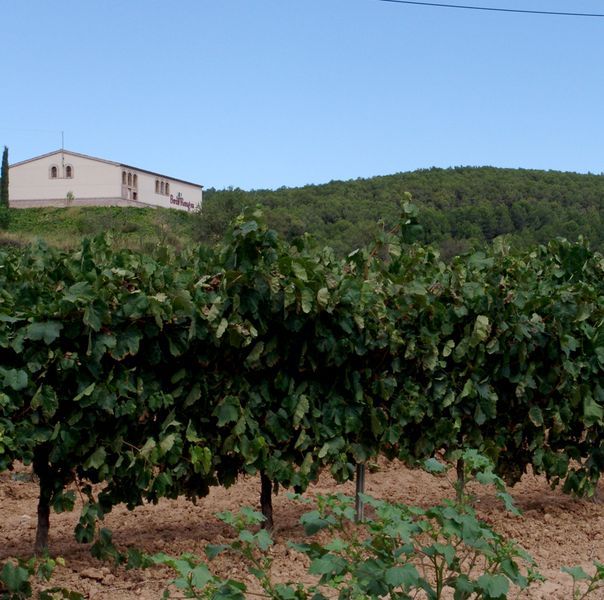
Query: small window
(68,171)
(129,178)
(124,178)
(134,194)
(167,189)
(135,180)
(54,172)
(163,187)
(157,186)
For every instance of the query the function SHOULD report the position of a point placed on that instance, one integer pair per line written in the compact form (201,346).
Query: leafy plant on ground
(471,465)
(16,579)
(584,584)
(405,552)
(400,552)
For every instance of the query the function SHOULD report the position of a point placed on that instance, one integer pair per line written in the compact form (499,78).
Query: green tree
(4,214)
(4,179)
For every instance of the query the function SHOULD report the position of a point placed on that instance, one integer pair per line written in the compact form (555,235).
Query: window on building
(69,171)
(124,178)
(129,178)
(135,180)
(157,186)
(167,189)
(54,172)
(163,187)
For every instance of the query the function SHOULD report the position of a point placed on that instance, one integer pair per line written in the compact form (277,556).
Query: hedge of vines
(158,376)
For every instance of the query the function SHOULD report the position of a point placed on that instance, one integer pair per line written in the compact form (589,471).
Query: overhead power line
(495,9)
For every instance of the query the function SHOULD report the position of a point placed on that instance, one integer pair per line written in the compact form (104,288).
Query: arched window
(167,189)
(129,178)
(135,180)
(157,186)
(69,171)
(124,178)
(163,187)
(54,172)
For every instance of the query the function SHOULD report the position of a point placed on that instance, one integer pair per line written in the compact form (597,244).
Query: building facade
(64,178)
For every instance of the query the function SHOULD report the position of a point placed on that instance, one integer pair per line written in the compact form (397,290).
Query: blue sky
(265,93)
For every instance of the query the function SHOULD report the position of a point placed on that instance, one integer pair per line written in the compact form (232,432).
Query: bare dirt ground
(555,529)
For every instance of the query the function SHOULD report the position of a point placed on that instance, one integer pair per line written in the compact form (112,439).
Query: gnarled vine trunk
(266,501)
(461,478)
(44,473)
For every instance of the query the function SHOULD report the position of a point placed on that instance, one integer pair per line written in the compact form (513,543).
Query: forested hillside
(459,207)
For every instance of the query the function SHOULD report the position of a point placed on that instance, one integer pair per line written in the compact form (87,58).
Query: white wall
(190,194)
(91,179)
(94,183)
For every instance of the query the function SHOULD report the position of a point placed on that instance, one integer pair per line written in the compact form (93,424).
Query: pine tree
(4,213)
(4,179)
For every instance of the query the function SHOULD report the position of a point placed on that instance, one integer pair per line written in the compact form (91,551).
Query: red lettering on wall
(180,201)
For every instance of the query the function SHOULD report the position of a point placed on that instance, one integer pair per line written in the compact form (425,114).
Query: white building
(64,178)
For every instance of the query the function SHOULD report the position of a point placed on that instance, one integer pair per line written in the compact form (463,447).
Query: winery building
(65,178)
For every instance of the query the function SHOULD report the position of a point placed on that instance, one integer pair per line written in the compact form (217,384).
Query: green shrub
(4,217)
(16,576)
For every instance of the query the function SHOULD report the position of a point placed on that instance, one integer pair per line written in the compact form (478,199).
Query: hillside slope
(136,228)
(460,208)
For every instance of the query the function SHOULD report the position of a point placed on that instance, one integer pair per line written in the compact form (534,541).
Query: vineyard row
(159,376)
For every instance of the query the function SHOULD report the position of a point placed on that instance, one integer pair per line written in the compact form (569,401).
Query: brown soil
(556,530)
